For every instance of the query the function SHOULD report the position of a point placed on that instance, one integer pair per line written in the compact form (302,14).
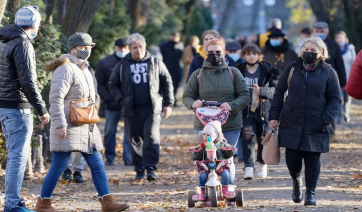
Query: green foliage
(105,29)
(200,20)
(301,11)
(162,21)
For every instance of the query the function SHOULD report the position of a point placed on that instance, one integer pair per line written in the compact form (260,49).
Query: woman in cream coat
(72,80)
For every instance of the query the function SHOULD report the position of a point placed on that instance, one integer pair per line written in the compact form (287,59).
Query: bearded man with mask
(72,82)
(19,93)
(113,109)
(314,98)
(215,81)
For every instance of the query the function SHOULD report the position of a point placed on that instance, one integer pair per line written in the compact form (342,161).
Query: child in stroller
(223,152)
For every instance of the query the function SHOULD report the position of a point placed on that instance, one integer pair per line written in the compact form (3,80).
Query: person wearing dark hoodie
(112,111)
(19,93)
(198,60)
(73,82)
(276,51)
(142,84)
(255,72)
(172,53)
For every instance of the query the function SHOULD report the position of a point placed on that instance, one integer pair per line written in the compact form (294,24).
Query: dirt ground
(339,187)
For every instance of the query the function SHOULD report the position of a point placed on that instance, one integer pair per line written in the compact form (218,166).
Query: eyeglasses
(214,52)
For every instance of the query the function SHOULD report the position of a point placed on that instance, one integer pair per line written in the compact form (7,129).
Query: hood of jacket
(202,52)
(63,59)
(221,67)
(146,57)
(11,31)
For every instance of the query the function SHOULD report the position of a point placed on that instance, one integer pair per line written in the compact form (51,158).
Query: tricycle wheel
(190,201)
(239,197)
(213,196)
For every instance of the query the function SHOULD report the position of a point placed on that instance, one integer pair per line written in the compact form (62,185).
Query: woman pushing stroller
(215,81)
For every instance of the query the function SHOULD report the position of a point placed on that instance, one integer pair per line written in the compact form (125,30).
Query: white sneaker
(262,171)
(249,173)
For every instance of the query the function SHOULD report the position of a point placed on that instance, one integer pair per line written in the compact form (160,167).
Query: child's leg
(225,177)
(202,179)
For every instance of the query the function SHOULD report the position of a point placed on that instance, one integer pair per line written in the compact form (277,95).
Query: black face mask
(310,57)
(252,64)
(214,59)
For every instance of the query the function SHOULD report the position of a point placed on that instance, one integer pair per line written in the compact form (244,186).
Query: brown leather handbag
(83,115)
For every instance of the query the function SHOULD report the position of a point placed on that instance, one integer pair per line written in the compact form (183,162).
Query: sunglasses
(214,52)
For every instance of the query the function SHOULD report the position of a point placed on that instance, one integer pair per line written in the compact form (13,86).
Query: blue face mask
(120,54)
(234,56)
(320,35)
(342,45)
(275,43)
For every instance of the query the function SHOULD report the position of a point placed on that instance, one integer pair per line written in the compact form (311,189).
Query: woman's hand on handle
(225,106)
(197,104)
(273,123)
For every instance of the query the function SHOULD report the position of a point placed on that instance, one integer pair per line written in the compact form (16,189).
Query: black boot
(297,195)
(78,178)
(309,197)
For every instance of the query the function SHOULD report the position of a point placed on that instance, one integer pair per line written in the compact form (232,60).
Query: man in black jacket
(113,109)
(321,30)
(18,94)
(142,85)
(171,53)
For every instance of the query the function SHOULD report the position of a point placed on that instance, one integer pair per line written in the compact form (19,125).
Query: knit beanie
(28,16)
(213,129)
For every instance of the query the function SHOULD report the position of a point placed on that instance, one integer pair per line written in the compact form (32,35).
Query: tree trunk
(2,9)
(49,10)
(138,10)
(79,16)
(321,9)
(111,7)
(223,26)
(14,5)
(189,7)
(62,8)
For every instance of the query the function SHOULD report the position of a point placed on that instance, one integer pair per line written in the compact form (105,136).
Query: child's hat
(213,129)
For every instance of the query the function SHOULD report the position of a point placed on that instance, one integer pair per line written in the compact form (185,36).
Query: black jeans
(252,134)
(311,163)
(143,129)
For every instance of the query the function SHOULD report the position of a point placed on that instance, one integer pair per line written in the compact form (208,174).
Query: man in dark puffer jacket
(18,94)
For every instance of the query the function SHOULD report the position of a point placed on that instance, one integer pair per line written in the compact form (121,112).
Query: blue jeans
(252,135)
(225,178)
(17,125)
(60,162)
(112,118)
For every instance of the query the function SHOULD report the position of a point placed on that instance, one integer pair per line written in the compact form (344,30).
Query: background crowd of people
(137,86)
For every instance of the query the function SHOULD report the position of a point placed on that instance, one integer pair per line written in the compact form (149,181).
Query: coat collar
(82,64)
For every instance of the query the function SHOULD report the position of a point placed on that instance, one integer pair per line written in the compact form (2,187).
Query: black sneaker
(140,175)
(109,163)
(67,175)
(78,178)
(151,174)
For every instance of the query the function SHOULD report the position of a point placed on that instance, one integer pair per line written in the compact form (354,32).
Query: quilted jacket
(215,84)
(71,81)
(18,80)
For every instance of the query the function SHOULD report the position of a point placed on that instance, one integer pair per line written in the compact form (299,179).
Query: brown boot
(44,205)
(109,204)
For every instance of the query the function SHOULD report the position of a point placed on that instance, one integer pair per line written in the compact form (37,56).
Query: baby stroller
(213,188)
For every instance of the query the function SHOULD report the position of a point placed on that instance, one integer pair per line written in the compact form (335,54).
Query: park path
(339,187)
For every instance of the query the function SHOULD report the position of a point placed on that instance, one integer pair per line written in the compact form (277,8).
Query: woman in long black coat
(313,100)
